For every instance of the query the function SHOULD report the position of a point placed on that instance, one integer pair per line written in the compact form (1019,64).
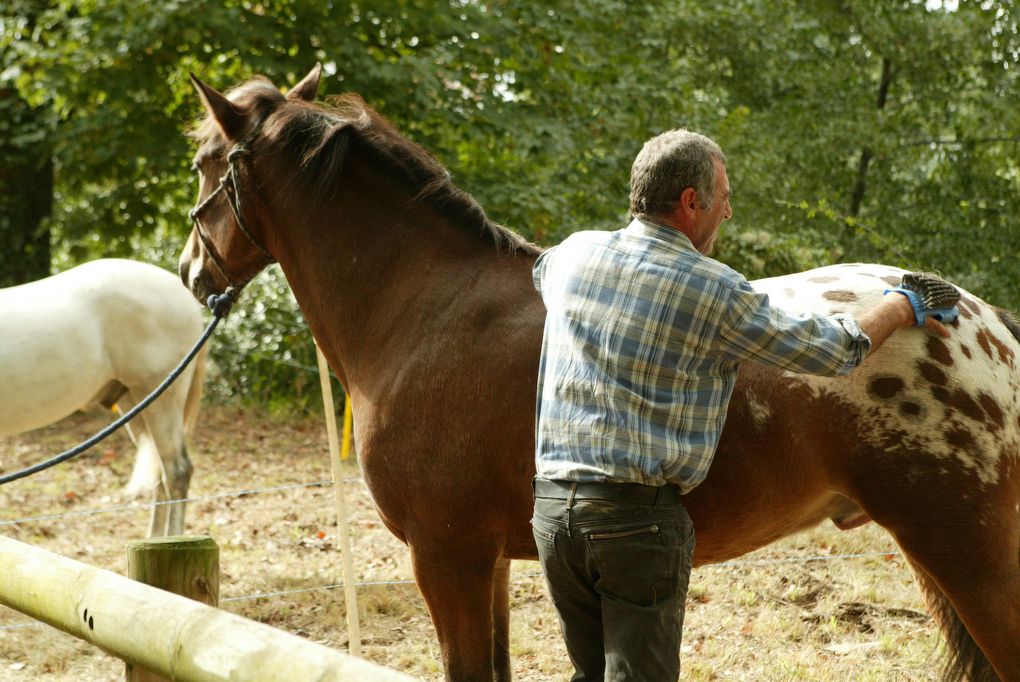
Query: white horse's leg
(164,439)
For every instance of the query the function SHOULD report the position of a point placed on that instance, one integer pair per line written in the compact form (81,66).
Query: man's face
(708,221)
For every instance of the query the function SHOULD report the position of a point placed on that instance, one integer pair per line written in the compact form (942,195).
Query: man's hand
(893,312)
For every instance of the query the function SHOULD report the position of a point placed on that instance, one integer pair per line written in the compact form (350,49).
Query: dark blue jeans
(618,572)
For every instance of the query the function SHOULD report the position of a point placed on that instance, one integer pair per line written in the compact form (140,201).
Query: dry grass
(801,609)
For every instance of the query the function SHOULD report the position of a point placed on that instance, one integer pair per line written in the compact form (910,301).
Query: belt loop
(570,506)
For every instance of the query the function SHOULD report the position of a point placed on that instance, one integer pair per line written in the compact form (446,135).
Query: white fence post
(343,531)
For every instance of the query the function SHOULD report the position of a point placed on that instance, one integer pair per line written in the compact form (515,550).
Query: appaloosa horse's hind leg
(459,592)
(977,601)
(967,557)
(965,660)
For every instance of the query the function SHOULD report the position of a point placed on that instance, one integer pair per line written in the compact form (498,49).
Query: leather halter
(229,187)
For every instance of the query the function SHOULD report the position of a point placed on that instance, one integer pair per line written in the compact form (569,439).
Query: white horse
(107,332)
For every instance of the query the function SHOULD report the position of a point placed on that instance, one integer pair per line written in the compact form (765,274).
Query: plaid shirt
(643,340)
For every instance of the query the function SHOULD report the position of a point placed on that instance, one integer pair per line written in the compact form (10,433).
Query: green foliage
(264,352)
(871,130)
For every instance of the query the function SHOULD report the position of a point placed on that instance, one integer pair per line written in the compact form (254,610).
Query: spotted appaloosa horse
(923,438)
(426,311)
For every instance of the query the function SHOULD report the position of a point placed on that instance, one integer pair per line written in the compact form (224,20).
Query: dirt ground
(823,605)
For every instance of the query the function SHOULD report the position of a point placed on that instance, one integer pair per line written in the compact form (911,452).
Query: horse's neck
(368,271)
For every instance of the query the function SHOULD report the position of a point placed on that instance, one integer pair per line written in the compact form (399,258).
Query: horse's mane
(320,136)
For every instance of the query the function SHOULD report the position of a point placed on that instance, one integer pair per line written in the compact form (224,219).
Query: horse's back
(98,285)
(69,339)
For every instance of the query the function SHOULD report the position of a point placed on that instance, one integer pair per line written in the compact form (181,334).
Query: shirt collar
(646,227)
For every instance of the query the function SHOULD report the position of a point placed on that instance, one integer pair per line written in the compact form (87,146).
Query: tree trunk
(857,196)
(26,191)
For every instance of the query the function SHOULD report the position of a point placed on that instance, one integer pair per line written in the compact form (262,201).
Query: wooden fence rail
(166,633)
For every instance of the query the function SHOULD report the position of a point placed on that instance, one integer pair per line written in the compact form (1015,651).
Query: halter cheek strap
(229,187)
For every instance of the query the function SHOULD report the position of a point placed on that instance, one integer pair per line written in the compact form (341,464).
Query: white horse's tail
(147,472)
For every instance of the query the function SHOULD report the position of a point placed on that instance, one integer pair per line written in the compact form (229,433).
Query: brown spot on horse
(840,296)
(939,351)
(932,373)
(959,401)
(960,438)
(984,340)
(992,409)
(885,387)
(1005,352)
(910,409)
(967,308)
(892,281)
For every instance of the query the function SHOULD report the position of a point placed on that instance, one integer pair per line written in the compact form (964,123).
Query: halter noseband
(229,186)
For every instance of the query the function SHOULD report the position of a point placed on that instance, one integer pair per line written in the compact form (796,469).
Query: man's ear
(689,201)
(231,120)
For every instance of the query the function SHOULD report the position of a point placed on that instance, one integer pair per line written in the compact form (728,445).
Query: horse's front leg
(501,620)
(165,428)
(167,517)
(458,586)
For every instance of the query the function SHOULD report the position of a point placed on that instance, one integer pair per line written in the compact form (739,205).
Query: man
(643,339)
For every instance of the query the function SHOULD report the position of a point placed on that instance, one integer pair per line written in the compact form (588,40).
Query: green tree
(882,131)
(855,129)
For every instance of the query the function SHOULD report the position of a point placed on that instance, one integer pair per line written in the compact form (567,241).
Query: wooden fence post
(184,565)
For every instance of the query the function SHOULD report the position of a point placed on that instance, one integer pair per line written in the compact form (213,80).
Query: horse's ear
(232,121)
(308,88)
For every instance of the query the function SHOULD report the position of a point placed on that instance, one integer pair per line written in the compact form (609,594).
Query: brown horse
(426,311)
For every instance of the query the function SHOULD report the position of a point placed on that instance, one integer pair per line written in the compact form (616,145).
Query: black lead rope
(220,306)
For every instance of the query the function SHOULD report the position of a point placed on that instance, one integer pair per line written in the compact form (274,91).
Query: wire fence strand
(519,578)
(149,505)
(246,492)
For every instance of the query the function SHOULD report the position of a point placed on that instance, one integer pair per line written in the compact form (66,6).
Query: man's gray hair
(668,164)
